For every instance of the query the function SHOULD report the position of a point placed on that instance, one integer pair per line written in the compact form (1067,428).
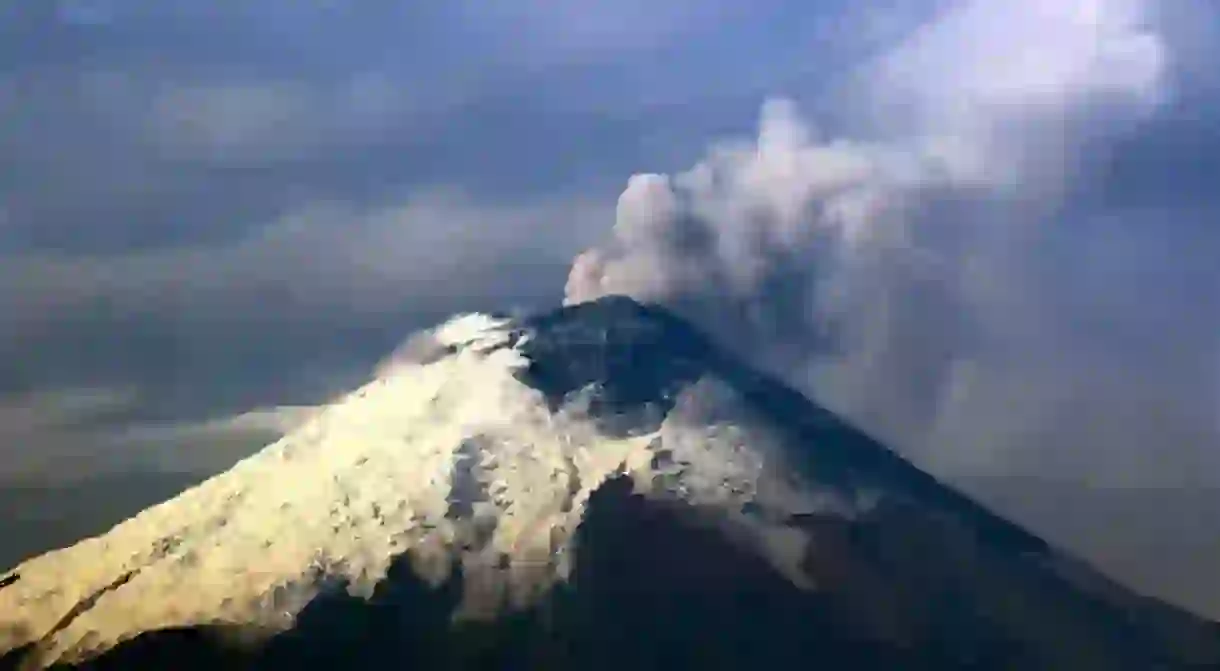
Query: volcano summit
(595,487)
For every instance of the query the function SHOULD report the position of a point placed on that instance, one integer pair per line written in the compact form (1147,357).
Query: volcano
(597,487)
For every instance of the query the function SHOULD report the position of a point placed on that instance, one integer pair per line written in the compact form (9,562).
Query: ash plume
(935,275)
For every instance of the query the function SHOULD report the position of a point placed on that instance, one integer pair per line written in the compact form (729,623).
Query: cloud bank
(200,202)
(948,276)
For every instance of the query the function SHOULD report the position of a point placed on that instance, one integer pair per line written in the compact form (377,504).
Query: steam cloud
(902,280)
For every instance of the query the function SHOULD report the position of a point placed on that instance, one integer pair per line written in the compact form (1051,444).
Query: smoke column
(907,278)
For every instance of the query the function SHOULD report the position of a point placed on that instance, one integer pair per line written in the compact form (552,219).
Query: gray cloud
(274,120)
(257,222)
(322,257)
(955,283)
(320,292)
(53,439)
(76,461)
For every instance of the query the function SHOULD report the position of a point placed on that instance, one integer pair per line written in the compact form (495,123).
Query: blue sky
(211,207)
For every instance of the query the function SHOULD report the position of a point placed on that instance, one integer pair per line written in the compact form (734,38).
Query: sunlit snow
(445,454)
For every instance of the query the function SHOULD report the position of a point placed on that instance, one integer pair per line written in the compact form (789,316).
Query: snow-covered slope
(446,455)
(478,447)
